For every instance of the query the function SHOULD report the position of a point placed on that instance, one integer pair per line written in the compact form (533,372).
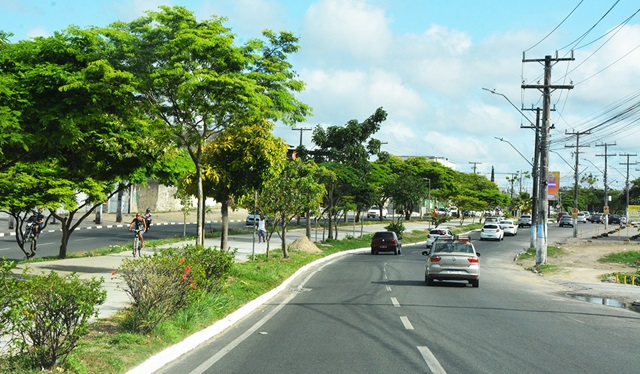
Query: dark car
(613,218)
(386,241)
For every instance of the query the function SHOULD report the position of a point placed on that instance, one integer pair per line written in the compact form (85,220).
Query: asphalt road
(374,314)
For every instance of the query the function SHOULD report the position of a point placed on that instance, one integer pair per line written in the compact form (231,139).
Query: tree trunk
(285,251)
(308,224)
(200,209)
(119,208)
(224,235)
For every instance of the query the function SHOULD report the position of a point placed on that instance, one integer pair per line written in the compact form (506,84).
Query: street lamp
(506,141)
(506,98)
(428,197)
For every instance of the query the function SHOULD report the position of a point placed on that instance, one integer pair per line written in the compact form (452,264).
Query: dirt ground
(579,262)
(580,273)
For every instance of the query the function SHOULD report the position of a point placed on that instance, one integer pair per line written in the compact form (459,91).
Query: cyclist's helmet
(148,210)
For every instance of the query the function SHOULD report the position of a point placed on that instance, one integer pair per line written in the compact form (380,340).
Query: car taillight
(473,260)
(436,258)
(497,230)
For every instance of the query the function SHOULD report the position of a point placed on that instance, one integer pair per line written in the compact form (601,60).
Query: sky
(430,65)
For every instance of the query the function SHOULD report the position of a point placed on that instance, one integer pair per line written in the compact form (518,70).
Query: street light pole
(429,198)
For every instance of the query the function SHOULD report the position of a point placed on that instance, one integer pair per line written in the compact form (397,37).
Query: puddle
(608,302)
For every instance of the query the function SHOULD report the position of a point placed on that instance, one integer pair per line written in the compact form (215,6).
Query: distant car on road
(509,227)
(596,218)
(443,211)
(525,220)
(452,260)
(582,218)
(614,219)
(437,234)
(385,241)
(252,219)
(491,231)
(565,220)
(374,212)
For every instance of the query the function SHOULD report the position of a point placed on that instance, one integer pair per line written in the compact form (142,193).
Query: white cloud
(346,30)
(37,31)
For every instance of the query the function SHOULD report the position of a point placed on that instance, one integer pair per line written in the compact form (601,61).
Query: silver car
(452,260)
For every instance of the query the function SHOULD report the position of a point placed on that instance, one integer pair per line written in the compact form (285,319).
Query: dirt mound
(303,244)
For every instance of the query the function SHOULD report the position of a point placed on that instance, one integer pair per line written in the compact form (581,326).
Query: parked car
(443,212)
(385,241)
(509,227)
(452,260)
(582,218)
(565,220)
(525,220)
(491,231)
(562,214)
(453,211)
(587,214)
(437,234)
(374,212)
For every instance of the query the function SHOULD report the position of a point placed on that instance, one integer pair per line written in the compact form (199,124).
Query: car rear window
(383,235)
(490,226)
(438,232)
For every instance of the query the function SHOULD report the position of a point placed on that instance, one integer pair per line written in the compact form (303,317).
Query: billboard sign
(553,185)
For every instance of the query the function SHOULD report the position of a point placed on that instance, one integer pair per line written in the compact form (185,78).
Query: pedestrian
(147,219)
(262,230)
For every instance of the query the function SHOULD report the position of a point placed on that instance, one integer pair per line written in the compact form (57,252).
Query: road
(374,314)
(89,239)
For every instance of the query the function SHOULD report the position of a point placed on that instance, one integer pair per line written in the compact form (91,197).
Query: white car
(509,227)
(436,234)
(491,231)
(374,212)
(582,218)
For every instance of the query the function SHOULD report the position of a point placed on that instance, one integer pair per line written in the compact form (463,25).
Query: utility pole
(626,184)
(541,242)
(474,165)
(301,130)
(575,176)
(535,175)
(605,208)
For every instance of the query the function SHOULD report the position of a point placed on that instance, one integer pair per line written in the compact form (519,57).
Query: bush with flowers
(45,315)
(160,284)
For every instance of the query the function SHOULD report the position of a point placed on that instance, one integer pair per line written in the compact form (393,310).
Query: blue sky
(425,62)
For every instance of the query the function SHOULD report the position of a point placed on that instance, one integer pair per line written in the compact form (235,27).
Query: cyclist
(140,226)
(37,219)
(147,218)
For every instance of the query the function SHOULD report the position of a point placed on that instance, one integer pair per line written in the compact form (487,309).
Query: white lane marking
(388,287)
(431,361)
(405,321)
(4,249)
(395,302)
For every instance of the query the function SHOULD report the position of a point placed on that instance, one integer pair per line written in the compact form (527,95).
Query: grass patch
(626,257)
(531,253)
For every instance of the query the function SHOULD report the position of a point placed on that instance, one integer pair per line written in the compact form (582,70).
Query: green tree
(295,190)
(81,113)
(197,82)
(240,161)
(348,148)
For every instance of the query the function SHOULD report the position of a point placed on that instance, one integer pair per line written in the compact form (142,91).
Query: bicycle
(30,235)
(136,243)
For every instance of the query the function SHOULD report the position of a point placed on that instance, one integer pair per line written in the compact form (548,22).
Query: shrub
(52,315)
(161,284)
(397,227)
